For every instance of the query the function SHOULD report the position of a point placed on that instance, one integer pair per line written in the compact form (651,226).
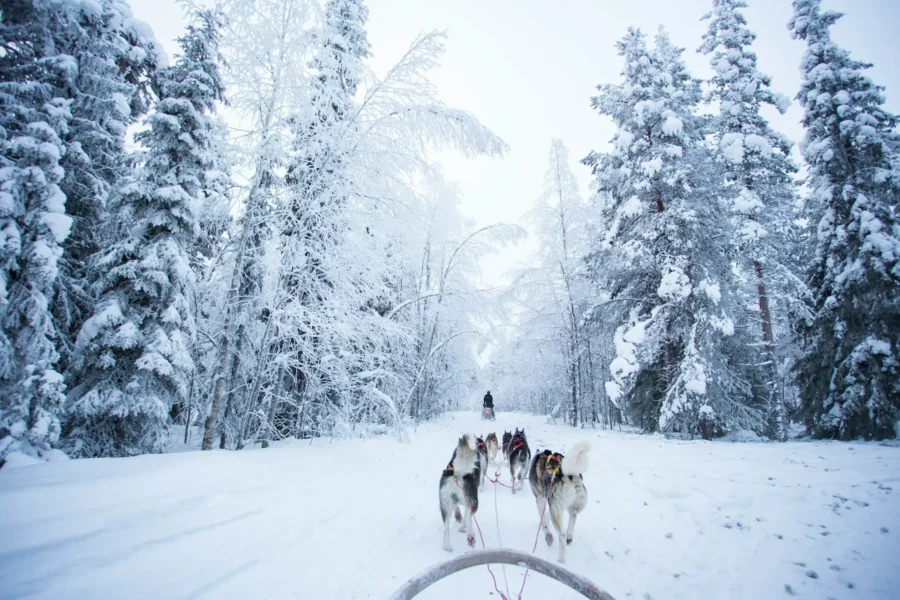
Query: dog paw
(458,515)
(568,541)
(462,528)
(548,537)
(470,539)
(447,547)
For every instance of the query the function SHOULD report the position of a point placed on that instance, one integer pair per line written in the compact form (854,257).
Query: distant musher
(489,400)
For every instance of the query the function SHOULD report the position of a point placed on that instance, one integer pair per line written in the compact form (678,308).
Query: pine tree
(116,57)
(663,255)
(757,169)
(135,351)
(849,374)
(34,117)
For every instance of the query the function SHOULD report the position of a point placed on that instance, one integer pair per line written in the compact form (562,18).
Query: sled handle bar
(475,558)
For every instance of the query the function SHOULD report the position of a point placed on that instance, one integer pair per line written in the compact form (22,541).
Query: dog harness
(481,446)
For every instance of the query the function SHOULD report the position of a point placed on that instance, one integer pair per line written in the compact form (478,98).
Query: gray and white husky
(459,488)
(493,447)
(519,455)
(482,452)
(558,480)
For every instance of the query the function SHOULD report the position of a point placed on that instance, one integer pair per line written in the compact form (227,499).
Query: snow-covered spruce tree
(116,57)
(758,187)
(134,352)
(849,374)
(664,256)
(34,117)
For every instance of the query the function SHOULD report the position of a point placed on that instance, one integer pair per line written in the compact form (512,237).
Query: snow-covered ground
(353,519)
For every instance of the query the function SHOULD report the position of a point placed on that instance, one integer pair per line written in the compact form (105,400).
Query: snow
(782,102)
(732,146)
(711,289)
(59,225)
(652,166)
(353,519)
(674,284)
(673,125)
(111,315)
(747,202)
(16,460)
(632,207)
(758,143)
(122,104)
(623,140)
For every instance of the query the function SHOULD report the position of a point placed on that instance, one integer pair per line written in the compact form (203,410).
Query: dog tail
(577,459)
(466,457)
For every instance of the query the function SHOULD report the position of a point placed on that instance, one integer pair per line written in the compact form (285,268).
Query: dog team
(557,482)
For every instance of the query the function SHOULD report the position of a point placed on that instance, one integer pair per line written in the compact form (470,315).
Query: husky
(459,486)
(493,447)
(519,457)
(481,447)
(507,438)
(561,486)
(535,478)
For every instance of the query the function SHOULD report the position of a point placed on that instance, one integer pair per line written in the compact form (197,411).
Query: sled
(475,558)
(488,414)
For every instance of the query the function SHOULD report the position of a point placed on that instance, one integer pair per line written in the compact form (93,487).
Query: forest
(251,240)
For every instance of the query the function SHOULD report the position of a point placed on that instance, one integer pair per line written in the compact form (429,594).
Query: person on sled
(488,406)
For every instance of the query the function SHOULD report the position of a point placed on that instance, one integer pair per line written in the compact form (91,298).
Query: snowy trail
(354,519)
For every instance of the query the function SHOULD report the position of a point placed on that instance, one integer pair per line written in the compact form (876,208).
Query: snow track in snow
(354,519)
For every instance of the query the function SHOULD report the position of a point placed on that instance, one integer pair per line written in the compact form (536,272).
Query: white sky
(527,69)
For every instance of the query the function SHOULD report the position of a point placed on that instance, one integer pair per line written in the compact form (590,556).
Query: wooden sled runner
(476,558)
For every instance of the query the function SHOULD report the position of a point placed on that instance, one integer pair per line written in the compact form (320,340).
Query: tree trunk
(774,399)
(209,430)
(270,420)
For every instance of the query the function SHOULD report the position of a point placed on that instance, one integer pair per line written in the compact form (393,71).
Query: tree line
(705,287)
(271,254)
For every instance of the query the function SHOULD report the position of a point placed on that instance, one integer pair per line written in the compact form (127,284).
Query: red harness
(481,446)
(517,443)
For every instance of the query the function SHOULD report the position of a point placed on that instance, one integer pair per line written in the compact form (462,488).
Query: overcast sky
(527,69)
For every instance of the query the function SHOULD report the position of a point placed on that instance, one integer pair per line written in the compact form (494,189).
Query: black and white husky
(558,481)
(459,488)
(519,457)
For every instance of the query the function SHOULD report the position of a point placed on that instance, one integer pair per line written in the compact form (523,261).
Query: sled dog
(459,487)
(507,438)
(482,449)
(519,457)
(492,446)
(558,480)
